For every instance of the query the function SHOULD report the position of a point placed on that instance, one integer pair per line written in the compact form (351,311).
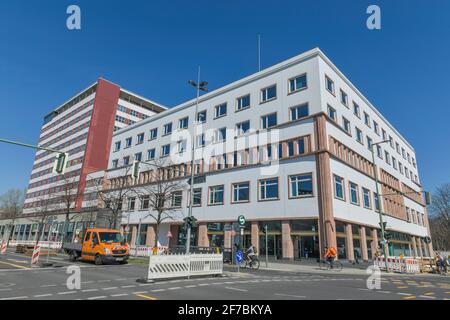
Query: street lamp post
(379,201)
(199,86)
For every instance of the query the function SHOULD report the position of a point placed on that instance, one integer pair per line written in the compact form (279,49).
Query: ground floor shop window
(182,236)
(357,249)
(342,254)
(274,246)
(369,248)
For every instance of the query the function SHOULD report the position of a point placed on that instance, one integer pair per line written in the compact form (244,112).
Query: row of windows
(300,186)
(50,170)
(67,116)
(415,217)
(77,139)
(53,179)
(134,113)
(67,125)
(52,159)
(369,199)
(220,135)
(67,134)
(397,165)
(367,121)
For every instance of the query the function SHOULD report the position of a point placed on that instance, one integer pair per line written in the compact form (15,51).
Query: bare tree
(46,208)
(439,218)
(164,184)
(111,194)
(11,206)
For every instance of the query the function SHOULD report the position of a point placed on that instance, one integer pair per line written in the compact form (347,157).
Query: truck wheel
(98,260)
(72,257)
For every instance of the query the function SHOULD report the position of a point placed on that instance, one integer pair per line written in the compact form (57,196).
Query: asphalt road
(118,282)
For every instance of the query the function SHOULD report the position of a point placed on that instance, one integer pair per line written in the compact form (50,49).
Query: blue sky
(154,47)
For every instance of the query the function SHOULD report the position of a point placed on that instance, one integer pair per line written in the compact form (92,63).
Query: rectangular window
(138,156)
(268,189)
(301,146)
(269,93)
(391,142)
(367,119)
(299,111)
(344,98)
(301,185)
(115,163)
(181,146)
(201,116)
(167,129)
(376,128)
(339,187)
(354,193)
(356,110)
(359,136)
(216,194)
(220,110)
(369,143)
(329,85)
(403,154)
(379,152)
(397,147)
(117,146)
(242,127)
(243,102)
(151,154)
(126,160)
(197,197)
(383,132)
(177,198)
(400,167)
(269,121)
(145,202)
(297,83)
(387,157)
(183,123)
(165,150)
(220,135)
(366,196)
(394,163)
(332,113)
(131,203)
(376,201)
(346,125)
(128,142)
(200,140)
(153,134)
(241,192)
(140,138)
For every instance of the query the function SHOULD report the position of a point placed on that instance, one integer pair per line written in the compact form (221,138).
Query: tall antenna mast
(259,52)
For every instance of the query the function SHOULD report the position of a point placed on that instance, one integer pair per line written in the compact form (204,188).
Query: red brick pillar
(349,242)
(203,240)
(363,241)
(255,236)
(286,239)
(151,236)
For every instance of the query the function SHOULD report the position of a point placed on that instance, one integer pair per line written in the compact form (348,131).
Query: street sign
(241,220)
(239,256)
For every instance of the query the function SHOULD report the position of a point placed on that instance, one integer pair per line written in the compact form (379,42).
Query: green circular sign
(241,220)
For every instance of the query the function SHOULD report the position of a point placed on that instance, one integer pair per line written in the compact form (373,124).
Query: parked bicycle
(334,265)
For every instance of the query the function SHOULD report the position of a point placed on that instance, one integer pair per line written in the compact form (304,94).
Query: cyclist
(330,255)
(250,253)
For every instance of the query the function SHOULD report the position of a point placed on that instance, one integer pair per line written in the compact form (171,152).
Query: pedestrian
(356,254)
(306,253)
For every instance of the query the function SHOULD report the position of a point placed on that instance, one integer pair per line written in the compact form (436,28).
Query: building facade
(288,148)
(82,127)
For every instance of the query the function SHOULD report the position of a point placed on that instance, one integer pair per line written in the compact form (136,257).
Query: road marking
(289,295)
(402,287)
(203,284)
(109,288)
(15,298)
(384,291)
(87,281)
(119,295)
(125,287)
(67,292)
(428,297)
(43,295)
(174,288)
(429,293)
(190,286)
(100,281)
(404,294)
(95,298)
(410,297)
(237,289)
(146,297)
(89,290)
(121,279)
(140,292)
(14,265)
(158,290)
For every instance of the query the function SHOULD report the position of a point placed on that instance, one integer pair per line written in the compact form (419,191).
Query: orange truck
(99,245)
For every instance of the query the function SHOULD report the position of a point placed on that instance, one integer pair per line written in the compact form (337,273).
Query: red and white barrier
(395,264)
(36,253)
(3,247)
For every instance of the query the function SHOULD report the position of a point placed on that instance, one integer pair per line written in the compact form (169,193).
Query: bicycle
(335,265)
(250,263)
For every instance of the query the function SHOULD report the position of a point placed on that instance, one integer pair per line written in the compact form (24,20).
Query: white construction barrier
(145,251)
(184,265)
(43,244)
(395,264)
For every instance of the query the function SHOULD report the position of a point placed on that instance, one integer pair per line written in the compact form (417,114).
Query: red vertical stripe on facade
(100,133)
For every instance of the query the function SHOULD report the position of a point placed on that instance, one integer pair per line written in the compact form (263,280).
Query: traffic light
(60,164)
(427,198)
(136,169)
(190,221)
(264,230)
(427,240)
(384,225)
(387,236)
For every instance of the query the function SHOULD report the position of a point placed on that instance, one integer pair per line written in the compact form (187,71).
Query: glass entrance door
(273,244)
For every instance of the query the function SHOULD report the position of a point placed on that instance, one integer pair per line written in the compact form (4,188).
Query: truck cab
(100,246)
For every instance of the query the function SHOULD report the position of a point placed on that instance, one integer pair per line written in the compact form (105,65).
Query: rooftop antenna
(259,52)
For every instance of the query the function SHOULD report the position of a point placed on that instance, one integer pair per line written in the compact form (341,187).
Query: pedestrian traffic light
(60,164)
(190,221)
(384,225)
(387,236)
(135,169)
